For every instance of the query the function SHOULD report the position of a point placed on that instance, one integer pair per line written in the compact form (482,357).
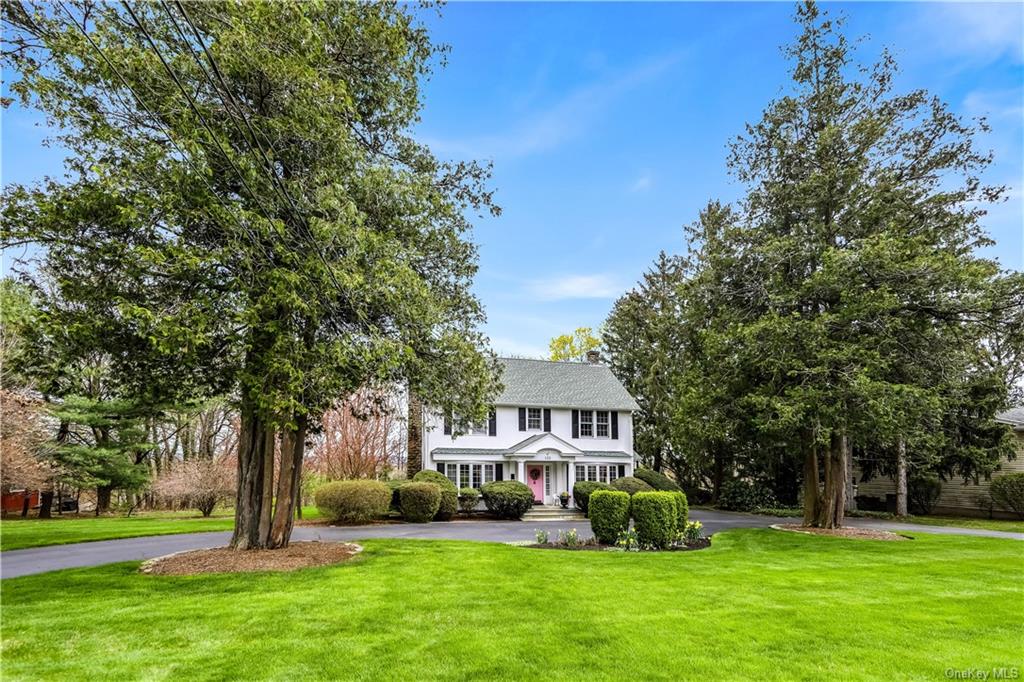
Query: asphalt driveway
(41,559)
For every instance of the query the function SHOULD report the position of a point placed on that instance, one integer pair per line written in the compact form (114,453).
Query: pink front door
(535,479)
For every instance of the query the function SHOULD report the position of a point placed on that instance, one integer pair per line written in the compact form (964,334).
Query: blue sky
(607,124)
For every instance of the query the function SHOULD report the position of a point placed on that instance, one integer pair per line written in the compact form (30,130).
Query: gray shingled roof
(1014,416)
(541,383)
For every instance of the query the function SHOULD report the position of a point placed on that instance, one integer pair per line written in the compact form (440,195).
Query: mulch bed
(852,533)
(223,560)
(703,543)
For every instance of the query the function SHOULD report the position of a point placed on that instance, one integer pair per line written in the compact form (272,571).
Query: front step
(545,513)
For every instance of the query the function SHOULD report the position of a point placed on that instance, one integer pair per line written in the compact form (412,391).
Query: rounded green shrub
(655,514)
(923,492)
(682,508)
(449,493)
(741,495)
(468,499)
(657,480)
(352,501)
(1008,492)
(609,514)
(507,499)
(419,501)
(631,485)
(582,491)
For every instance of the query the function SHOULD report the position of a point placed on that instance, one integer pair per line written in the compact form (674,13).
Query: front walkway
(20,562)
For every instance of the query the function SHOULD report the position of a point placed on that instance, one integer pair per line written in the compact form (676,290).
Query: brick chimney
(594,357)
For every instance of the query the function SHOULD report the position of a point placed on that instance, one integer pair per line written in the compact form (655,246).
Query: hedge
(507,499)
(582,491)
(468,498)
(1008,492)
(420,501)
(449,493)
(655,515)
(657,480)
(742,495)
(609,514)
(922,493)
(352,501)
(631,485)
(682,509)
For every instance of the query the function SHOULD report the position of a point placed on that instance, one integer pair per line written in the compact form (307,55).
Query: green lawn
(1006,525)
(759,604)
(17,533)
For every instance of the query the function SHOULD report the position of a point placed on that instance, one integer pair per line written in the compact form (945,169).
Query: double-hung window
(469,475)
(602,424)
(533,419)
(586,424)
(604,473)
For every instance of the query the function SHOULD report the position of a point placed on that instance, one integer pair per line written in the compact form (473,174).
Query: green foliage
(656,479)
(654,516)
(922,493)
(682,508)
(468,499)
(507,499)
(419,501)
(575,346)
(609,514)
(582,491)
(449,493)
(352,501)
(631,485)
(747,496)
(1008,492)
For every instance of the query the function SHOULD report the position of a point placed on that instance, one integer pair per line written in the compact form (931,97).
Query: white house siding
(957,497)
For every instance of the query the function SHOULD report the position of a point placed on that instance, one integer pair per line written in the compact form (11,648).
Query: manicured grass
(17,533)
(758,605)
(1005,525)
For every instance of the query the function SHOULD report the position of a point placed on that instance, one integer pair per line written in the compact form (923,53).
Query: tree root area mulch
(852,533)
(223,560)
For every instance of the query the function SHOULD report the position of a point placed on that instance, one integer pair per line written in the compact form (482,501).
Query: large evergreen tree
(246,171)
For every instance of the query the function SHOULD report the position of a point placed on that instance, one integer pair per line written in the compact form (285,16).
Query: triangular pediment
(543,441)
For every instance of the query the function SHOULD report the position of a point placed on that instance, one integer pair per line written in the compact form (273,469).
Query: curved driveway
(20,562)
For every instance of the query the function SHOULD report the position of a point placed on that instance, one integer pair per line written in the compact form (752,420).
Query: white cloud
(996,104)
(565,120)
(983,30)
(575,286)
(642,183)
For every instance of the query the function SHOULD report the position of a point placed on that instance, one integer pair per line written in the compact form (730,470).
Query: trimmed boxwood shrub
(507,499)
(352,501)
(682,509)
(582,491)
(741,495)
(654,514)
(657,480)
(631,485)
(1008,492)
(449,493)
(609,514)
(468,498)
(420,501)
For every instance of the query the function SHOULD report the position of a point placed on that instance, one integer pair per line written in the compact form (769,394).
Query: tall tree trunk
(293,445)
(46,504)
(26,503)
(833,501)
(851,502)
(901,478)
(255,438)
(103,499)
(658,458)
(812,496)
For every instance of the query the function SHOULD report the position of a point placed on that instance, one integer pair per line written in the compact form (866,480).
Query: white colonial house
(554,424)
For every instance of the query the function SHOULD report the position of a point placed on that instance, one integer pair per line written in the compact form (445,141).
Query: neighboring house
(957,497)
(554,424)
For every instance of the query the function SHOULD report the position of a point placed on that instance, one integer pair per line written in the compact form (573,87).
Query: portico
(546,464)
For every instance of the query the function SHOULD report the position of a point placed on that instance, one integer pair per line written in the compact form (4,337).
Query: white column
(521,471)
(572,482)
